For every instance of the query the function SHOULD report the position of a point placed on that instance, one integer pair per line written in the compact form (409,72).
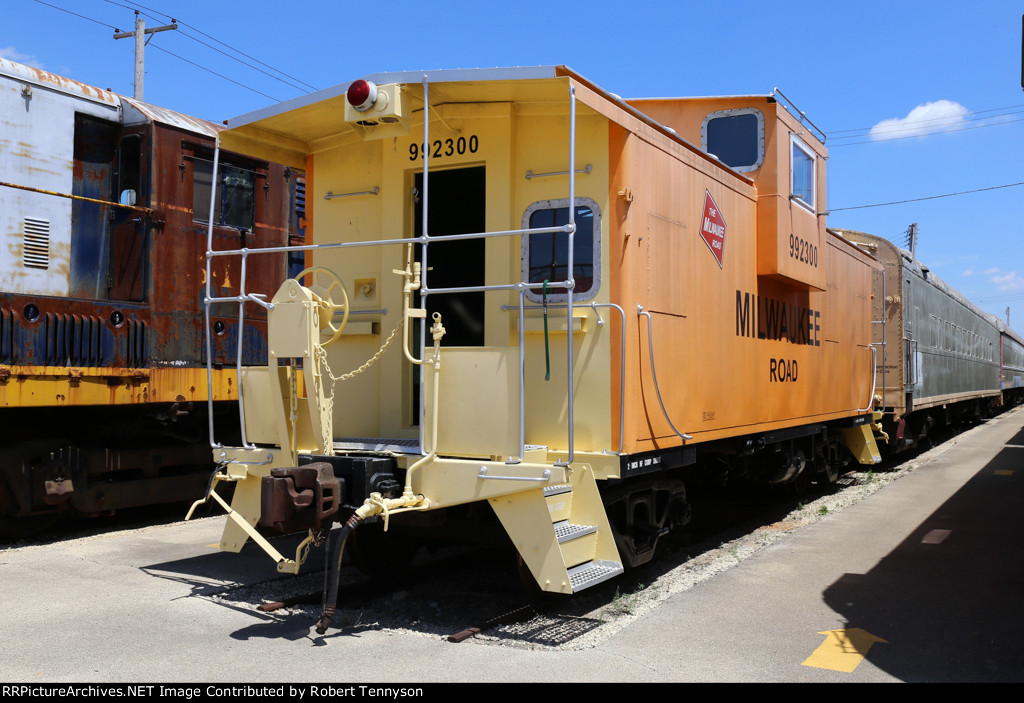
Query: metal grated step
(557,490)
(397,446)
(592,573)
(565,531)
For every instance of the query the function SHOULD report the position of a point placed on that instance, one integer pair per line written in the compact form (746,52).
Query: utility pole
(140,48)
(912,240)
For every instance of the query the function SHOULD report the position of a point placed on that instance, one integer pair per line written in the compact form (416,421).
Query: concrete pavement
(931,564)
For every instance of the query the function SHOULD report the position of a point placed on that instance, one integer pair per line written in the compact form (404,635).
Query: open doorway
(456,206)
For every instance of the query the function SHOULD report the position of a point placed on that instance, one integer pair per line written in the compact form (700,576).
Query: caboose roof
(289,131)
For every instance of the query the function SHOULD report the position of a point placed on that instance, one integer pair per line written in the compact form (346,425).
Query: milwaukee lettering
(761,317)
(714,228)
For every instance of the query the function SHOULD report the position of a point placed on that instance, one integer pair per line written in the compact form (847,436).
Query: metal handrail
(874,368)
(800,114)
(654,374)
(424,239)
(206,305)
(622,355)
(403,241)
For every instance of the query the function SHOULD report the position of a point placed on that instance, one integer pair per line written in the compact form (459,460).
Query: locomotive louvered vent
(6,336)
(36,249)
(136,352)
(72,340)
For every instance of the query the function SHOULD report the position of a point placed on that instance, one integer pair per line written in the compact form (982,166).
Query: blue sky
(949,71)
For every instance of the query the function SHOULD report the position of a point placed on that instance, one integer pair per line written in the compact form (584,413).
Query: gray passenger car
(938,358)
(1011,363)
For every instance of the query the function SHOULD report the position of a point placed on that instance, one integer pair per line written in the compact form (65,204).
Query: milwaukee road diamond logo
(712,228)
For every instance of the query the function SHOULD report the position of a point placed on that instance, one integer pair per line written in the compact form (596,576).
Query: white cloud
(12,54)
(930,118)
(1005,281)
(968,272)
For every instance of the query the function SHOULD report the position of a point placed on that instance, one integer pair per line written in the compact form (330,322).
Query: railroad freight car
(104,203)
(1011,364)
(549,300)
(941,356)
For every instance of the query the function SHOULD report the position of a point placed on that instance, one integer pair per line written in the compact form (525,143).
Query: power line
(1005,298)
(949,120)
(237,51)
(214,73)
(930,197)
(932,119)
(104,24)
(181,58)
(914,136)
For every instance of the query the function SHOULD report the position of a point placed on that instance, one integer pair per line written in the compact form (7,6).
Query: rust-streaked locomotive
(103,376)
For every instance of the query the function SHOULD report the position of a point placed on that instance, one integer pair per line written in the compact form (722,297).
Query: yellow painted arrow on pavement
(842,650)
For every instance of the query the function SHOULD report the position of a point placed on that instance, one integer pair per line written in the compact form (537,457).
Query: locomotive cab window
(546,254)
(129,164)
(234,205)
(735,137)
(802,162)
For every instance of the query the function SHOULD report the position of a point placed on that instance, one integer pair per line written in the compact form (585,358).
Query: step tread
(592,573)
(557,490)
(565,530)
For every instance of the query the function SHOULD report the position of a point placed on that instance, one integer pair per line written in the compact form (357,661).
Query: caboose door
(455,206)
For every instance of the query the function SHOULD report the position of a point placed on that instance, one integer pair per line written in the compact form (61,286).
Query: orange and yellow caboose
(526,291)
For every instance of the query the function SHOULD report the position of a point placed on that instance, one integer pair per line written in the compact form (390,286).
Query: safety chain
(368,364)
(325,369)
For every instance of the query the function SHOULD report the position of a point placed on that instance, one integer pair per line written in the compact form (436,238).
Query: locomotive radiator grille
(79,340)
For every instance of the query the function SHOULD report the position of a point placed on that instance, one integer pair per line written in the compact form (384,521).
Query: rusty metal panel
(40,330)
(178,255)
(51,81)
(92,171)
(136,113)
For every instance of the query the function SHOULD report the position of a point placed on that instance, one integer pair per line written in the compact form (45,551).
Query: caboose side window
(802,169)
(234,205)
(735,137)
(546,255)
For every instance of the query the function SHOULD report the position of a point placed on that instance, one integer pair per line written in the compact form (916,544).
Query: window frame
(796,142)
(561,296)
(201,215)
(736,112)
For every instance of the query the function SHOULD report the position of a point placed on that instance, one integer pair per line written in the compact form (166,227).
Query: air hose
(332,575)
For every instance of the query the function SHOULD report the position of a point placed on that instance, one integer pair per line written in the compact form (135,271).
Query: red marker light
(362,95)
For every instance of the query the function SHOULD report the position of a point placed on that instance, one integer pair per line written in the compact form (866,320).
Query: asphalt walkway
(921,581)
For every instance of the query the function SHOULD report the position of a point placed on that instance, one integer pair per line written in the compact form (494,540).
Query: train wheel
(642,512)
(801,483)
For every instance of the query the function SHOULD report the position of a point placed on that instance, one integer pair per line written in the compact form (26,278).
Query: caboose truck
(691,303)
